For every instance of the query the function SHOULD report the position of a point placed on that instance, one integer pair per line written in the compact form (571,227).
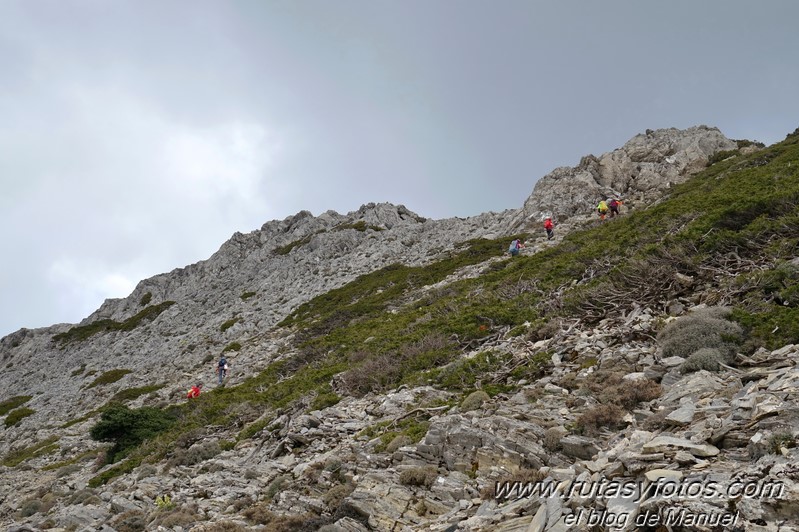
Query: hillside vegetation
(726,237)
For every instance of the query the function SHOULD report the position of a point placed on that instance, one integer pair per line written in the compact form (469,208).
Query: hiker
(194,392)
(602,209)
(548,225)
(221,368)
(614,205)
(515,246)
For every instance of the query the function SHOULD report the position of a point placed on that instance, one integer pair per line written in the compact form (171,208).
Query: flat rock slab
(662,444)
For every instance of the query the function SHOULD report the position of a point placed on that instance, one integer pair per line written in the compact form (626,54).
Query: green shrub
(12,403)
(721,155)
(233,346)
(474,401)
(127,428)
(336,495)
(15,416)
(285,250)
(195,454)
(276,486)
(419,476)
(84,496)
(83,332)
(178,518)
(30,507)
(703,329)
(779,440)
(15,458)
(707,358)
(247,295)
(145,299)
(130,394)
(324,400)
(121,469)
(109,377)
(552,438)
(130,521)
(228,324)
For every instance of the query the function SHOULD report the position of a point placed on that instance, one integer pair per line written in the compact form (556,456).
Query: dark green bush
(127,428)
(130,394)
(145,299)
(12,403)
(83,332)
(232,346)
(15,416)
(228,324)
(109,377)
(474,401)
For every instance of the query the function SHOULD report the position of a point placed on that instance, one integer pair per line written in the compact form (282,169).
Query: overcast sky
(137,136)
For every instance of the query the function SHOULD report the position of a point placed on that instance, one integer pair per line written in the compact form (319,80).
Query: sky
(137,136)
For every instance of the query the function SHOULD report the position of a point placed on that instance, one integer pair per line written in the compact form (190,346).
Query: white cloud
(124,192)
(80,284)
(228,161)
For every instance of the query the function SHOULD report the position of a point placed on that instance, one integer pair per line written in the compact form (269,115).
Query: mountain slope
(522,326)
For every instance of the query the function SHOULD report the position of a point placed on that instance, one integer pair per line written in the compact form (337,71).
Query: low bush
(707,358)
(232,346)
(552,438)
(129,394)
(336,495)
(601,416)
(127,428)
(83,332)
(276,486)
(12,403)
(228,324)
(779,440)
(474,401)
(701,329)
(109,377)
(15,416)
(130,521)
(630,393)
(419,476)
(195,454)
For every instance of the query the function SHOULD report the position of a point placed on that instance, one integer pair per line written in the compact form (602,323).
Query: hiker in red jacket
(195,391)
(548,225)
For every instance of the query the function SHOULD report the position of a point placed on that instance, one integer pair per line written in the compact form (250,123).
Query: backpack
(222,362)
(512,246)
(602,206)
(613,204)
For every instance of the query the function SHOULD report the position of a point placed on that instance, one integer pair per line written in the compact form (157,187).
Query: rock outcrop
(639,171)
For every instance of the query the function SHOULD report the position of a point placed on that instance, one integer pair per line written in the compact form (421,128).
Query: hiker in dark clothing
(221,368)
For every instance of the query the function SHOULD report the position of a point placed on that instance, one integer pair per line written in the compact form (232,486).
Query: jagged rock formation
(172,328)
(638,171)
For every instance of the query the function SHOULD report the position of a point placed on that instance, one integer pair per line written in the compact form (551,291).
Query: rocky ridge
(434,484)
